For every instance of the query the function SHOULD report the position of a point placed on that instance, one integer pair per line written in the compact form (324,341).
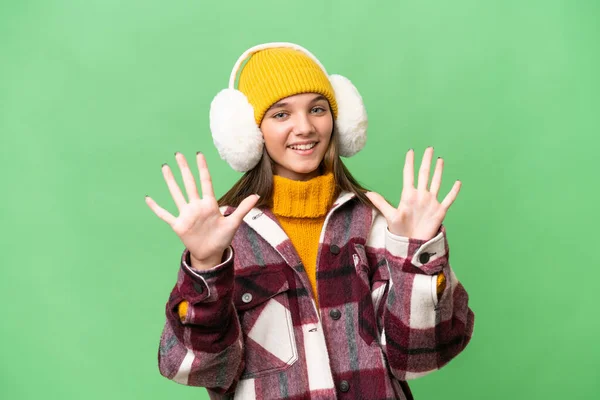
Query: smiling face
(297,131)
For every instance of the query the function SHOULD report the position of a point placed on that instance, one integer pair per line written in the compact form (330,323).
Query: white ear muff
(235,133)
(351,122)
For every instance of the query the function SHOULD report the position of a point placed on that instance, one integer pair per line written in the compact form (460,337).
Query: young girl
(303,285)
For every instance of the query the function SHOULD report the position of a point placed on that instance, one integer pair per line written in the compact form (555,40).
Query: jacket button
(424,258)
(335,313)
(344,386)
(247,297)
(334,249)
(198,287)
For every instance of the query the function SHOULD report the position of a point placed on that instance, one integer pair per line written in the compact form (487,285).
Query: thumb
(382,205)
(244,208)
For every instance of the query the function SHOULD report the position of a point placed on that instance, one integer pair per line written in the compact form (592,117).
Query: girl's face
(297,131)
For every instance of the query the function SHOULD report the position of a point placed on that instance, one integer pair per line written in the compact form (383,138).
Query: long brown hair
(259,180)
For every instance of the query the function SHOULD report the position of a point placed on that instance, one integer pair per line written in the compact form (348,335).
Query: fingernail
(163,164)
(257,195)
(198,152)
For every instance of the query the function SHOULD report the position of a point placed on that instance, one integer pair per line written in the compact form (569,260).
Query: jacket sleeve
(421,330)
(205,346)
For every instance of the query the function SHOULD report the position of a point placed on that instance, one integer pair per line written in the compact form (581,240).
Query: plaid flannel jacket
(252,330)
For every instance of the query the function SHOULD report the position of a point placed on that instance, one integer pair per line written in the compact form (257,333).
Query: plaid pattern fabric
(252,330)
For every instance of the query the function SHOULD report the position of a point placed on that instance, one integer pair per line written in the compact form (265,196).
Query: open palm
(204,231)
(419,214)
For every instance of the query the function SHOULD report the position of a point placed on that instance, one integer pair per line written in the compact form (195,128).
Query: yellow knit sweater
(300,208)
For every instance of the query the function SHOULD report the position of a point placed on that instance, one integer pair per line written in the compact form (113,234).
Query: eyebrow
(284,104)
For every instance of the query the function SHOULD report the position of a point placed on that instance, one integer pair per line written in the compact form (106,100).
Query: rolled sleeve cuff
(205,285)
(429,256)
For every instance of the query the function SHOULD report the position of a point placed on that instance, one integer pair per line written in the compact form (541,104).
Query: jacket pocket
(373,285)
(261,300)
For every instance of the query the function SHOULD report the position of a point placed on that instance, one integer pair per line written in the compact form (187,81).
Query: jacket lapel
(265,224)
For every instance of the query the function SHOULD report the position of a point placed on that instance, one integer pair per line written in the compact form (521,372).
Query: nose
(303,125)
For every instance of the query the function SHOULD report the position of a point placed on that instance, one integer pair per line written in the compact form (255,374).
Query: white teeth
(303,146)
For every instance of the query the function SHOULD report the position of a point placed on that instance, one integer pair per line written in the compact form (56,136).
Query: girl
(303,285)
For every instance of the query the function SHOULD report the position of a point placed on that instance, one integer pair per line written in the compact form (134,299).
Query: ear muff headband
(248,53)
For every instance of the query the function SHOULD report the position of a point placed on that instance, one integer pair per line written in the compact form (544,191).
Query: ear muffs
(351,122)
(236,136)
(239,140)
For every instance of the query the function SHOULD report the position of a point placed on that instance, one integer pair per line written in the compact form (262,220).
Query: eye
(280,115)
(318,110)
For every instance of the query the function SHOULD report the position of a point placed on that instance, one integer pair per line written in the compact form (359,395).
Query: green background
(96,95)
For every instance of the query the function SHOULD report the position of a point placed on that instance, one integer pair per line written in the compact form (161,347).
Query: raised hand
(204,231)
(419,214)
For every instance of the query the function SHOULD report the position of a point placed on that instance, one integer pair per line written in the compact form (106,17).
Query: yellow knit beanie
(275,73)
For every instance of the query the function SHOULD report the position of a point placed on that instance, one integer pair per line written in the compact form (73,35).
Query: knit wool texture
(274,74)
(300,208)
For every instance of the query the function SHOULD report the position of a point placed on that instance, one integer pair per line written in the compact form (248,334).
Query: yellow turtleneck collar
(303,199)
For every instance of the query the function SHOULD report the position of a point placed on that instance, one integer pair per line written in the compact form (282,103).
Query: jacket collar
(265,224)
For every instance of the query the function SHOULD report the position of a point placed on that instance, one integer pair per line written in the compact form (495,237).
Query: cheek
(273,134)
(325,128)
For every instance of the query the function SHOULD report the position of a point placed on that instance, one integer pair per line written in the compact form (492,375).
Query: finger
(205,179)
(244,208)
(173,187)
(451,196)
(425,168)
(436,181)
(381,204)
(159,211)
(188,178)
(409,172)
